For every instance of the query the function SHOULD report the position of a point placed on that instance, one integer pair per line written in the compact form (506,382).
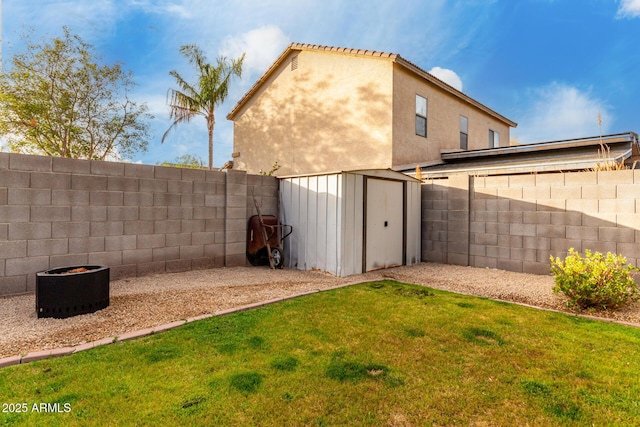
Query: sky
(552,66)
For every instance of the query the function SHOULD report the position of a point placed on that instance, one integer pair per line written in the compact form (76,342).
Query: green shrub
(596,280)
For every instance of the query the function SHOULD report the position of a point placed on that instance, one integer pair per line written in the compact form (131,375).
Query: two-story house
(321,108)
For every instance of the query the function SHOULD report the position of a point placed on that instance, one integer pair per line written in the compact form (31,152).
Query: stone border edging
(64,351)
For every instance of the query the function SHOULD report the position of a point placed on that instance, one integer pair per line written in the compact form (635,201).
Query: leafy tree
(58,100)
(202,98)
(185,161)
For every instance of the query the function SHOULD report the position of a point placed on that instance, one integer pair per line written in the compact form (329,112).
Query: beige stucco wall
(334,112)
(443,121)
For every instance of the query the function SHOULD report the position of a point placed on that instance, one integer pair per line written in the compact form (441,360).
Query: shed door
(384,223)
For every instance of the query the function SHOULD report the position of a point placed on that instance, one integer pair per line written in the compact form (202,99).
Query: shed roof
(393,57)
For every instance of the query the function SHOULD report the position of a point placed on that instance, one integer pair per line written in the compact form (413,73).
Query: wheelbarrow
(265,235)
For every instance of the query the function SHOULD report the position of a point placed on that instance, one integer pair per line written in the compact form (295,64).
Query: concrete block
(138,227)
(629,250)
(553,231)
(522,205)
(165,253)
(80,245)
(536,193)
(204,212)
(215,176)
(510,265)
(4,198)
(67,260)
(628,191)
(522,254)
(580,178)
(118,272)
(581,233)
(216,200)
(201,187)
(107,228)
(522,229)
(567,192)
(153,185)
(599,219)
(49,180)
(122,213)
(538,243)
(119,243)
(547,179)
(484,262)
(617,206)
(241,236)
(458,204)
(496,181)
(119,183)
(30,265)
(106,258)
(13,285)
(137,256)
(100,167)
(163,172)
(29,230)
(561,246)
(138,171)
(89,182)
(237,260)
(106,198)
(29,162)
(166,199)
(4,232)
(540,268)
(70,197)
(75,166)
(180,187)
(496,205)
(13,214)
(477,250)
(147,241)
(148,268)
(176,266)
(202,238)
(536,217)
(47,247)
(193,225)
(600,191)
(551,205)
(88,213)
(522,180)
(629,220)
(178,239)
(510,192)
(498,252)
(615,177)
(28,196)
(583,205)
(155,213)
(191,252)
(510,241)
(193,174)
(566,218)
(214,250)
(4,160)
(602,247)
(50,213)
(616,234)
(485,239)
(183,213)
(137,199)
(167,227)
(236,177)
(13,248)
(192,199)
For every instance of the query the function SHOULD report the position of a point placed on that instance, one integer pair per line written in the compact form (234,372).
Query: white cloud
(560,111)
(629,9)
(448,76)
(261,45)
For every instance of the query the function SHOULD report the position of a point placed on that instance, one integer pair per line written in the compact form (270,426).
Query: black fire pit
(69,291)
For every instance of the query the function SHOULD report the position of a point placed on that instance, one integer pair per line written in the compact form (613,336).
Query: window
(464,132)
(421,116)
(494,139)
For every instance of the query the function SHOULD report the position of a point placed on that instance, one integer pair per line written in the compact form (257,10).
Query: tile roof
(394,57)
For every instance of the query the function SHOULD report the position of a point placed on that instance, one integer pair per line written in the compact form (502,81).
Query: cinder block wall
(137,219)
(515,222)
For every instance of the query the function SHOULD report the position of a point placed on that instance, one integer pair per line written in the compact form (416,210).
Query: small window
(464,133)
(494,139)
(421,116)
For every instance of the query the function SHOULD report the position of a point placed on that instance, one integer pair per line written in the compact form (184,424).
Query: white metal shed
(351,222)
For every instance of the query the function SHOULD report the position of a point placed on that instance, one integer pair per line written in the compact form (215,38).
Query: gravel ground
(150,301)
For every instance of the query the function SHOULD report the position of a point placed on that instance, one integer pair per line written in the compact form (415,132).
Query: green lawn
(378,354)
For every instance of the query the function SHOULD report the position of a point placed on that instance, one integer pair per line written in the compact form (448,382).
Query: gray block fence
(137,219)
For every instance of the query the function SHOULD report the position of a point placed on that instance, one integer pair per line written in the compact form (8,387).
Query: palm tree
(201,99)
